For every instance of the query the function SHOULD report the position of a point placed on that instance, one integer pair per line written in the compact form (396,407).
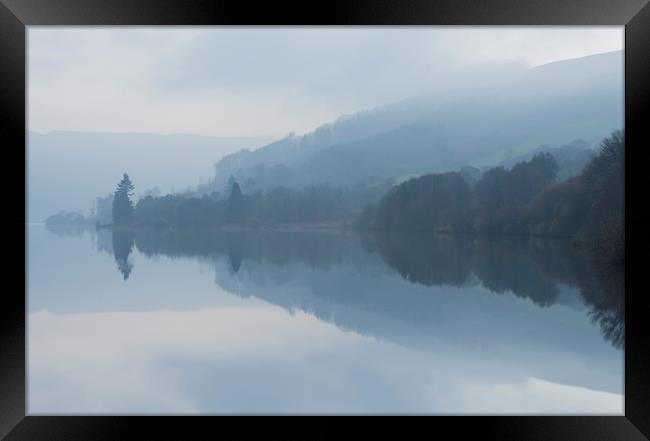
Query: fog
(377,219)
(100,101)
(241,81)
(68,170)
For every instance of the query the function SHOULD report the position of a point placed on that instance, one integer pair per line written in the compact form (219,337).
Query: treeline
(68,218)
(446,202)
(101,213)
(523,200)
(590,206)
(275,206)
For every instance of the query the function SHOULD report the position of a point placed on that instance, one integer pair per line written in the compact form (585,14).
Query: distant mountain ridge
(551,104)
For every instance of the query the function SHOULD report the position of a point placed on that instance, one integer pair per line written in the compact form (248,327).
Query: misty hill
(547,105)
(571,158)
(68,170)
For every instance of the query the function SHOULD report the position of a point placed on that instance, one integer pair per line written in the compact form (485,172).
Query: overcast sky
(266,82)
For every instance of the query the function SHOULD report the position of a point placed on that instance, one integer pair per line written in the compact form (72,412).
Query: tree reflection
(606,298)
(65,230)
(123,241)
(501,264)
(235,251)
(530,268)
(425,258)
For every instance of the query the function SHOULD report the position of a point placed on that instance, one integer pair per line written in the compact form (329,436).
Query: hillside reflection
(529,268)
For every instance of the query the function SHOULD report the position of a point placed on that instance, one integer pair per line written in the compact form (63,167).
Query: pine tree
(235,208)
(122,204)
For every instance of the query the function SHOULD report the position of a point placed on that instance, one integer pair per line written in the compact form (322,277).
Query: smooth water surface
(167,322)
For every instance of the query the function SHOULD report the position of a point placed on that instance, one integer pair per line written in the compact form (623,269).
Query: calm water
(318,322)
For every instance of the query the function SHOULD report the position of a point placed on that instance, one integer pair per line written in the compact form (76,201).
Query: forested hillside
(548,105)
(527,199)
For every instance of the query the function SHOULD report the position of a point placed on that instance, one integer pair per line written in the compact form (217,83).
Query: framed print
(369,208)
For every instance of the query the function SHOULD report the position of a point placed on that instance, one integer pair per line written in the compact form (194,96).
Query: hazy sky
(243,81)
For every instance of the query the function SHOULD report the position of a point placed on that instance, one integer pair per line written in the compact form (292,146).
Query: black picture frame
(15,15)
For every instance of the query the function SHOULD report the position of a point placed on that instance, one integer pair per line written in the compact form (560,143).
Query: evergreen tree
(235,208)
(122,204)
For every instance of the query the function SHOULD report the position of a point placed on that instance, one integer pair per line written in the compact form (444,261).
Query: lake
(212,322)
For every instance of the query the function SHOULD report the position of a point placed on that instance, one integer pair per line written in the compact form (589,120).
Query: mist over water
(169,321)
(326,220)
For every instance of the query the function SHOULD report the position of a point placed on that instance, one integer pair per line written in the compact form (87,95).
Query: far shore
(338,226)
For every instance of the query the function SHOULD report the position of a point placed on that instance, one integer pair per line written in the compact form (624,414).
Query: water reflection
(606,297)
(122,246)
(530,268)
(68,230)
(297,321)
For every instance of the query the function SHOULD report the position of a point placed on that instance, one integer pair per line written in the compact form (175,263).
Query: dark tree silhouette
(524,200)
(428,203)
(605,180)
(122,204)
(235,208)
(607,170)
(230,183)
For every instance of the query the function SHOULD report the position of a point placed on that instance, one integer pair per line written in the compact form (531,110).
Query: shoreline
(332,227)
